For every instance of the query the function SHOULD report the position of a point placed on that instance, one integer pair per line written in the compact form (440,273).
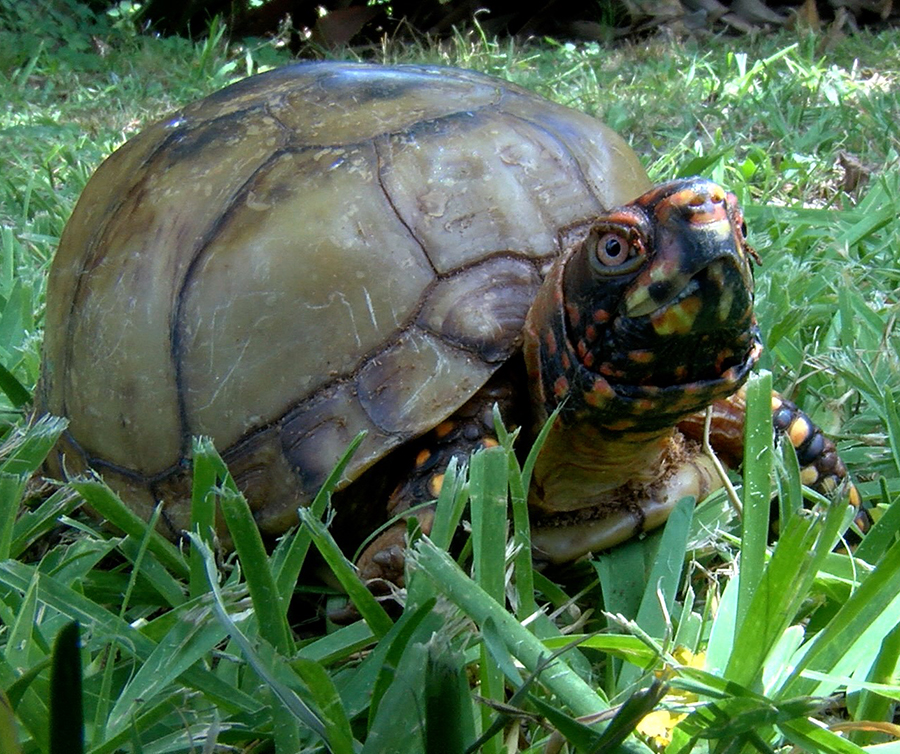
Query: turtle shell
(314,251)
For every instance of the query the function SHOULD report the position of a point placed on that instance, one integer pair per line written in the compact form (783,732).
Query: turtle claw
(385,558)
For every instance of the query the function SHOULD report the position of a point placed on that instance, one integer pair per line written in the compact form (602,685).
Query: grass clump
(732,642)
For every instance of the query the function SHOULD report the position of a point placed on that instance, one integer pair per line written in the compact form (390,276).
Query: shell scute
(482,307)
(475,183)
(416,379)
(311,297)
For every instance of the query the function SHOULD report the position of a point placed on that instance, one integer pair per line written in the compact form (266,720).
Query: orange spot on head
(550,340)
(574,313)
(561,387)
(489,442)
(601,316)
(423,457)
(641,357)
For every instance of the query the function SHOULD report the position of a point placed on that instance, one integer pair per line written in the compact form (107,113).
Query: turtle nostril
(697,200)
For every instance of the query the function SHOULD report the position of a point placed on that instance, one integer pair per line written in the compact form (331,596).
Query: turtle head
(648,314)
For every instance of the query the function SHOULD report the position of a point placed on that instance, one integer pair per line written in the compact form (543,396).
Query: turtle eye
(614,252)
(743,228)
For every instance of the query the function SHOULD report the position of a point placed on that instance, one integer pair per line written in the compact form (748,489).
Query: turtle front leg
(469,429)
(821,468)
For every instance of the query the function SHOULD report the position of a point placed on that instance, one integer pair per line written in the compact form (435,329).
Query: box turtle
(333,247)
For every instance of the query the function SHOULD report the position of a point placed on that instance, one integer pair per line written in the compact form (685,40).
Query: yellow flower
(657,725)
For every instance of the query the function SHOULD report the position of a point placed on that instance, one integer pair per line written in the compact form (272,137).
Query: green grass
(180,652)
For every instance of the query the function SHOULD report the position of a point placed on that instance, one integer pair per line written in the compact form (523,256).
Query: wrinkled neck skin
(582,466)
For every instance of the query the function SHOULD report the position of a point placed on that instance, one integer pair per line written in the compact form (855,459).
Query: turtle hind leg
(821,468)
(469,429)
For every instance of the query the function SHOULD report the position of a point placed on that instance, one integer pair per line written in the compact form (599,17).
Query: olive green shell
(314,251)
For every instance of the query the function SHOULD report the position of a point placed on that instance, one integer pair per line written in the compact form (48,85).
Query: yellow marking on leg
(809,476)
(799,431)
(435,484)
(444,428)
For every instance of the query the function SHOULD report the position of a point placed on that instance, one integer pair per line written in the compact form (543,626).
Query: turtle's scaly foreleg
(821,468)
(469,429)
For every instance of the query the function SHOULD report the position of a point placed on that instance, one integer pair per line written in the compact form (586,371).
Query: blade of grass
(98,621)
(331,710)
(17,393)
(882,534)
(206,466)
(522,644)
(28,447)
(66,706)
(875,706)
(189,641)
(402,635)
(488,485)
(784,585)
(12,486)
(856,631)
(290,702)
(8,735)
(271,613)
(32,525)
(21,644)
(108,505)
(449,723)
(369,608)
(659,593)
(287,568)
(758,459)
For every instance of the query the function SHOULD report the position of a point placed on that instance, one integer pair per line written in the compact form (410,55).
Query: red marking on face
(588,360)
(561,387)
(601,316)
(590,332)
(641,357)
(600,393)
(609,370)
(550,340)
(566,362)
(581,349)
(574,313)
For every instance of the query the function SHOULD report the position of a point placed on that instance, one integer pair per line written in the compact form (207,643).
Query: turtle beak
(699,244)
